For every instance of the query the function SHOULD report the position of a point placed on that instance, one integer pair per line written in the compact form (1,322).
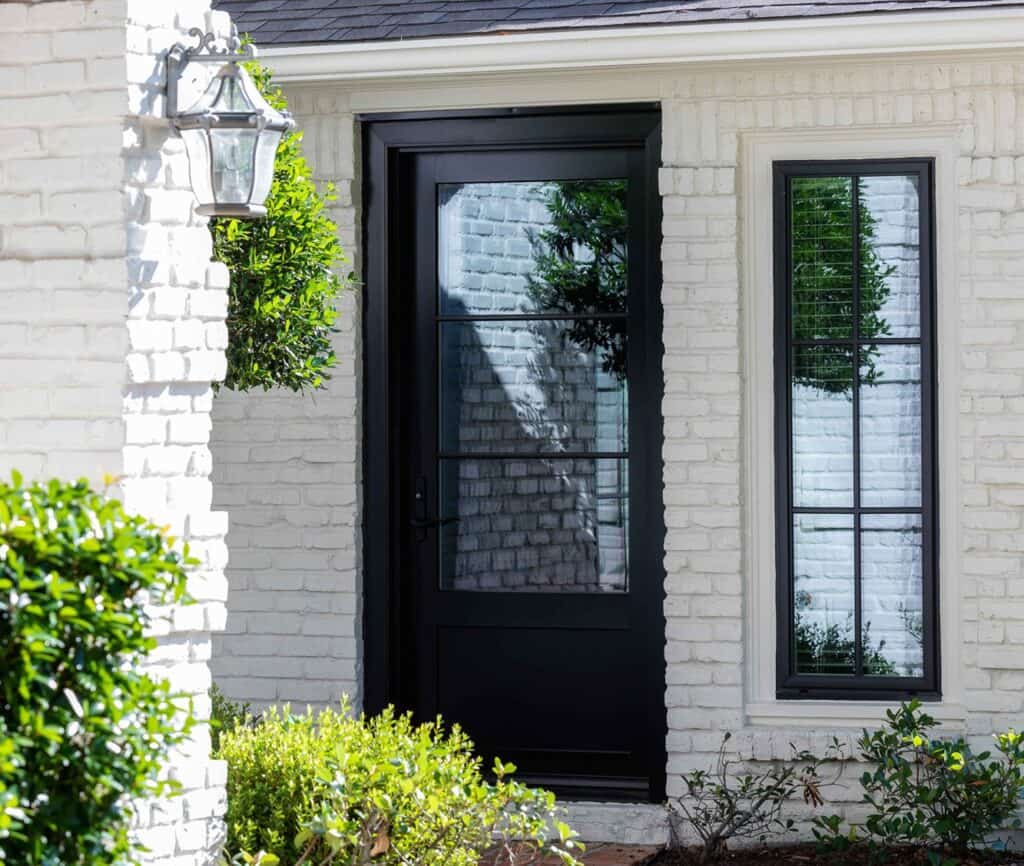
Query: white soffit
(991,30)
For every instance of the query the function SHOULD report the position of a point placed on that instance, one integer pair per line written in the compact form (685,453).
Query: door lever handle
(431,522)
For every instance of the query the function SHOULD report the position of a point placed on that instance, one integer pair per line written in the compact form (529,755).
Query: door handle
(431,522)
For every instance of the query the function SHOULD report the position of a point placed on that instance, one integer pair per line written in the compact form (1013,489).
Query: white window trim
(760,151)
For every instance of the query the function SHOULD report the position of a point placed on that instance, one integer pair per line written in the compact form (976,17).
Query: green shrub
(283,289)
(721,806)
(934,793)
(82,729)
(332,789)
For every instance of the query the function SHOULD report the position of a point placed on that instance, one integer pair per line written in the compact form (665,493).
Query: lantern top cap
(232,96)
(231,99)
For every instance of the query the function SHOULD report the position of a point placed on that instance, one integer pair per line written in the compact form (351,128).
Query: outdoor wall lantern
(231,134)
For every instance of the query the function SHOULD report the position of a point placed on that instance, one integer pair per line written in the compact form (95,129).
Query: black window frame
(857,686)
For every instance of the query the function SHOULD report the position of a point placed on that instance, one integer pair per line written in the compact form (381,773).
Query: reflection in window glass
(856,425)
(890,272)
(822,258)
(890,427)
(822,425)
(823,582)
(892,587)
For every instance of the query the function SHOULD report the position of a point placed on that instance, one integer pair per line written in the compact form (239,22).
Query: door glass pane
(823,593)
(891,594)
(890,257)
(534,524)
(822,435)
(527,247)
(822,258)
(533,386)
(890,426)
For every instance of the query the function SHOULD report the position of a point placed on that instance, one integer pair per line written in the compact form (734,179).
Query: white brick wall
(111,319)
(287,467)
(707,114)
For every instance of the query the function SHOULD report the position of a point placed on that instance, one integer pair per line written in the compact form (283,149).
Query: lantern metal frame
(229,56)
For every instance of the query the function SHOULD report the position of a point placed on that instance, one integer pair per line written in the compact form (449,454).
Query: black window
(855,410)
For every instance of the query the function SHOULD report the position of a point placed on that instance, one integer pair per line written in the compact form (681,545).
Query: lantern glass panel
(197,145)
(265,153)
(233,151)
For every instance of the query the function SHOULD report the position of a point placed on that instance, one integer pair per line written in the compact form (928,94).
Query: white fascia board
(992,30)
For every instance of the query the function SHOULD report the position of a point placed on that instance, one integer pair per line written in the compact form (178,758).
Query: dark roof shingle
(283,22)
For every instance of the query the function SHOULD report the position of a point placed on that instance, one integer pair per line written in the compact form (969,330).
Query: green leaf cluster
(930,792)
(333,789)
(82,729)
(283,282)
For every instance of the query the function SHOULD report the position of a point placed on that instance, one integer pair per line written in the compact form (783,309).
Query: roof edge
(978,28)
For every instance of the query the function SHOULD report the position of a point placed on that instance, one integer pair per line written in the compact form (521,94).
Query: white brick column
(112,319)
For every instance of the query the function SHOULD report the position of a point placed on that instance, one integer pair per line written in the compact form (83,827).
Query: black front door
(518,435)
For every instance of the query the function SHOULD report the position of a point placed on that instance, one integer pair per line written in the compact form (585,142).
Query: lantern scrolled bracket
(231,133)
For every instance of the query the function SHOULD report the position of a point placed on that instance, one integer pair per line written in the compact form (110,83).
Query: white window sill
(842,714)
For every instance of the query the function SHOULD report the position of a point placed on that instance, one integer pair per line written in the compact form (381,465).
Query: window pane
(822,395)
(890,257)
(892,595)
(535,525)
(532,386)
(890,426)
(823,570)
(822,258)
(521,247)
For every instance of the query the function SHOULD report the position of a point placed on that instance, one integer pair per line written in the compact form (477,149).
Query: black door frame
(387,140)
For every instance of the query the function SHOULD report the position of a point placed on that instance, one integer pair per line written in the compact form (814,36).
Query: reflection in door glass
(528,387)
(533,247)
(535,525)
(532,346)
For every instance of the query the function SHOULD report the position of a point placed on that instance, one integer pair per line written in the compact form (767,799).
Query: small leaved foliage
(82,728)
(722,806)
(929,792)
(283,286)
(329,789)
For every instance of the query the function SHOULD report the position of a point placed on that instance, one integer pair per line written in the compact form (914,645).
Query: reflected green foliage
(581,264)
(931,792)
(330,789)
(830,649)
(82,728)
(283,287)
(821,295)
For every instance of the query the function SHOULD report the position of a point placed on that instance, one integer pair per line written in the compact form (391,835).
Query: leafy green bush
(721,806)
(283,289)
(332,789)
(933,793)
(82,728)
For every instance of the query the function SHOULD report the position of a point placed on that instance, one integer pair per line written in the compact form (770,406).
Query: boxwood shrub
(332,789)
(83,730)
(283,283)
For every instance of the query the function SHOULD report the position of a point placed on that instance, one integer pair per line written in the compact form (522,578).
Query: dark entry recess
(513,520)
